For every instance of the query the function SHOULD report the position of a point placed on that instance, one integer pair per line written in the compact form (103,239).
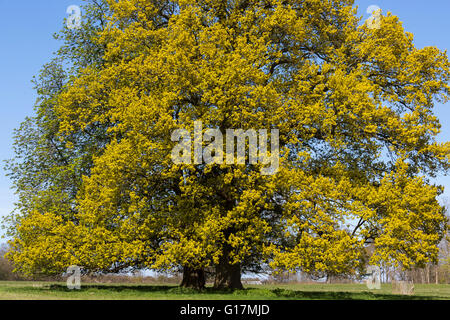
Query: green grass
(59,291)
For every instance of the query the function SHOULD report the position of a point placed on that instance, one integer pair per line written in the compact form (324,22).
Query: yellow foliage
(357,135)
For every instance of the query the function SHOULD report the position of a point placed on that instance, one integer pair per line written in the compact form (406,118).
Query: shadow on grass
(255,293)
(342,295)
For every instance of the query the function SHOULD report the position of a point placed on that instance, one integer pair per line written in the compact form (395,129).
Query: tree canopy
(357,133)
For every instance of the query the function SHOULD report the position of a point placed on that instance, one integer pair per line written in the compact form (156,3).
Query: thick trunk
(193,278)
(228,276)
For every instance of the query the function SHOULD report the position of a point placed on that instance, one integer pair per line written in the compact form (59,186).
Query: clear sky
(26,41)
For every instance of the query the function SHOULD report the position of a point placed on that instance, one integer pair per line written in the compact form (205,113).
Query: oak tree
(354,108)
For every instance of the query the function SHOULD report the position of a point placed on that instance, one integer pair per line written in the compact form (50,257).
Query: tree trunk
(228,276)
(436,270)
(193,278)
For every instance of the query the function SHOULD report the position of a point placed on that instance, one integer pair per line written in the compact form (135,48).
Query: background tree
(357,134)
(6,267)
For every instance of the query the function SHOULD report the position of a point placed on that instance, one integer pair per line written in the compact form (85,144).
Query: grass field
(59,291)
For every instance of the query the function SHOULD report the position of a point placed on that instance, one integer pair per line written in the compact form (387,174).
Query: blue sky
(26,44)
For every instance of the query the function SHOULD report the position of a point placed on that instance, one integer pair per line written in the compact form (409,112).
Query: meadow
(22,290)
